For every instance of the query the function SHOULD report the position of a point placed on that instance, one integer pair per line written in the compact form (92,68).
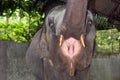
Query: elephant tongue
(71,50)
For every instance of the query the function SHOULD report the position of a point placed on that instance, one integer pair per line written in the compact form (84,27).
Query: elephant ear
(38,44)
(35,54)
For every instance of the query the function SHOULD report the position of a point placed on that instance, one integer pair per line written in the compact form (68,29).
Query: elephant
(63,48)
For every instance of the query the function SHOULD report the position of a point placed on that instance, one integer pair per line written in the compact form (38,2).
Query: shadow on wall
(13,65)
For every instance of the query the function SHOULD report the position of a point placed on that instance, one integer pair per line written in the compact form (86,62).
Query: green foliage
(26,5)
(20,26)
(108,41)
(102,23)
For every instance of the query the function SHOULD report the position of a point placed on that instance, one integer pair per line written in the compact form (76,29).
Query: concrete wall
(12,61)
(13,65)
(105,69)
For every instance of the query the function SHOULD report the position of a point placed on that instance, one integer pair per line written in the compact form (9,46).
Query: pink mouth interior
(71,47)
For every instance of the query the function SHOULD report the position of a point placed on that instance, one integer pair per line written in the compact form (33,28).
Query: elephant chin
(70,48)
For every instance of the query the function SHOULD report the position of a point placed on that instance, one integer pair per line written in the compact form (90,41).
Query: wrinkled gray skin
(44,55)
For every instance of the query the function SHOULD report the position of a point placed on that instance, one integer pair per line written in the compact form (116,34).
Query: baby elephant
(62,49)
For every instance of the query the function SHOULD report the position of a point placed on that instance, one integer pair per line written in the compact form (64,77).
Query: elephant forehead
(57,16)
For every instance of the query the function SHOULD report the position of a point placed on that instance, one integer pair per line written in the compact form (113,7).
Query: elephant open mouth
(71,46)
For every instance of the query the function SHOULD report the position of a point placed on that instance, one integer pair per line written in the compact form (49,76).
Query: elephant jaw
(71,47)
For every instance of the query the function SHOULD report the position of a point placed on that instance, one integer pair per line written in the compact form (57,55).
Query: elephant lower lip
(72,69)
(71,47)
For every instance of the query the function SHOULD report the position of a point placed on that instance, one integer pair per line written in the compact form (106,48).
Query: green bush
(19,29)
(108,41)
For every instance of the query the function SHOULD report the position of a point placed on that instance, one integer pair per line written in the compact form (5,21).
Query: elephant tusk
(60,40)
(82,41)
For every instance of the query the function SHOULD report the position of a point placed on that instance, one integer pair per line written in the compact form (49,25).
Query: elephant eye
(52,25)
(51,22)
(89,25)
(89,22)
